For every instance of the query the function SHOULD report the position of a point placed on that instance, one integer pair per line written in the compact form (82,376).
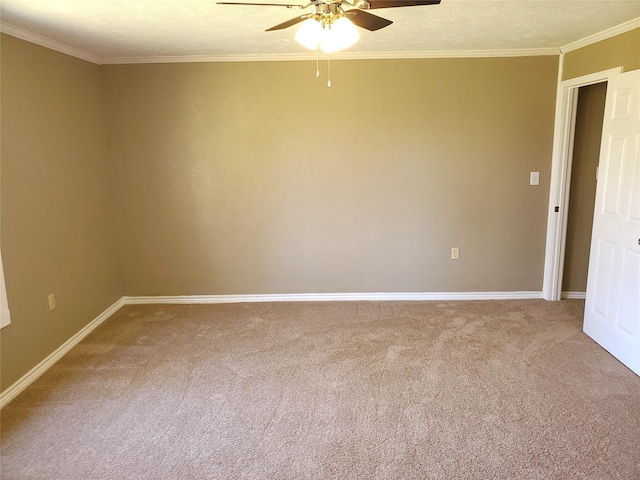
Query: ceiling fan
(331,28)
(329,11)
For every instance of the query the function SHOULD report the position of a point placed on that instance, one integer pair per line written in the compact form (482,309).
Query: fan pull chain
(329,69)
(318,61)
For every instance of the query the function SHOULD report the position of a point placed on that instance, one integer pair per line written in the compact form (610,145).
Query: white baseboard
(31,376)
(576,295)
(331,297)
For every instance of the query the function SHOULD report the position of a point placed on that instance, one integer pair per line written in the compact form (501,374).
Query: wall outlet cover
(52,301)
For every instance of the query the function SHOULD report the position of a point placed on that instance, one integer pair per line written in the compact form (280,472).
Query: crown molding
(605,34)
(207,59)
(23,34)
(336,56)
(75,52)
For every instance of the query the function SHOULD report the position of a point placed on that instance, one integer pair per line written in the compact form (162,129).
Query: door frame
(563,137)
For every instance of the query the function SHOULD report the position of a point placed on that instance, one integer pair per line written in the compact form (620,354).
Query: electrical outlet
(455,253)
(52,301)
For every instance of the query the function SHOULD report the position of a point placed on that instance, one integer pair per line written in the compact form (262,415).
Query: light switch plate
(534,178)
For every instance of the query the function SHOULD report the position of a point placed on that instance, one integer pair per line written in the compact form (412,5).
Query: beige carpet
(397,390)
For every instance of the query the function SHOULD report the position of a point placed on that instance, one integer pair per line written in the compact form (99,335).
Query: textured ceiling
(112,30)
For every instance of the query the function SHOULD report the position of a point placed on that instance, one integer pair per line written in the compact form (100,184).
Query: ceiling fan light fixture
(338,35)
(330,35)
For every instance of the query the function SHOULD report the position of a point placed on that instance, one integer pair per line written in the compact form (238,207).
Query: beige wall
(620,51)
(58,230)
(239,178)
(586,154)
(257,178)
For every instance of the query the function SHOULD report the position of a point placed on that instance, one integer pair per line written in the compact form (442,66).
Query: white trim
(551,263)
(566,104)
(600,36)
(575,295)
(331,297)
(31,376)
(532,52)
(75,52)
(47,42)
(38,39)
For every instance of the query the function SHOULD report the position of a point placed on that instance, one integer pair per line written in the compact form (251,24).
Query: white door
(612,308)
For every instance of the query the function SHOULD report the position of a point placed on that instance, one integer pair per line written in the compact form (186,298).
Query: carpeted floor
(393,390)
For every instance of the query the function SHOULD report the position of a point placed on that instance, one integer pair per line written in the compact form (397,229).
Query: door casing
(563,138)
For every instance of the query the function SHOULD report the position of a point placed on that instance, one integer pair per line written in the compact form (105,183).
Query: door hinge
(557,209)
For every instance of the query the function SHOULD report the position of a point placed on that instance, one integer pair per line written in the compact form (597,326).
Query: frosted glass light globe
(309,34)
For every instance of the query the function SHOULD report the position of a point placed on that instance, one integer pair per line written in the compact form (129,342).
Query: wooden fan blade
(288,23)
(400,3)
(367,20)
(288,5)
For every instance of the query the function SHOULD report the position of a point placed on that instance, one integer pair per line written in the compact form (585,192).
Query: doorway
(582,190)
(561,165)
